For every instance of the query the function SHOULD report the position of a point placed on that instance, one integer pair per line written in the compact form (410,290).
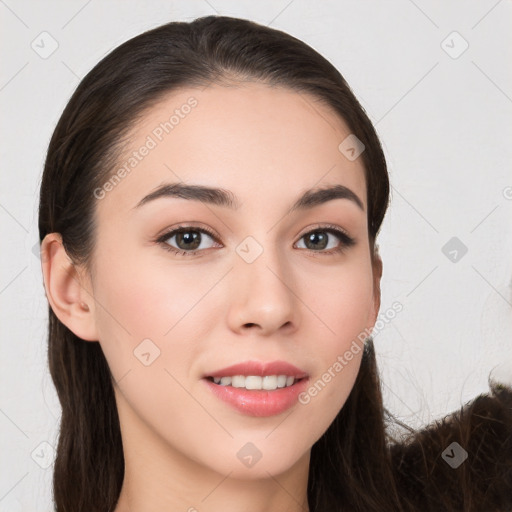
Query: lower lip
(259,402)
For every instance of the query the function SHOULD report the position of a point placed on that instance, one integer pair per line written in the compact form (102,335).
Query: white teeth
(281,381)
(238,381)
(268,382)
(253,382)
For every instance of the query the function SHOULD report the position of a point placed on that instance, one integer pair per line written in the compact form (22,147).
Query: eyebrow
(221,197)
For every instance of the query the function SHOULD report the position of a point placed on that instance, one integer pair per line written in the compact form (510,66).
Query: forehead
(262,143)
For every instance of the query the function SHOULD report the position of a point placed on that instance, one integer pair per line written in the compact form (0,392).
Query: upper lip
(260,368)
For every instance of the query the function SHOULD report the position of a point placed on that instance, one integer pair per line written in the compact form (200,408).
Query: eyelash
(346,240)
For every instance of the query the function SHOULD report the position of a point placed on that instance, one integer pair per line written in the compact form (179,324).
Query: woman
(209,210)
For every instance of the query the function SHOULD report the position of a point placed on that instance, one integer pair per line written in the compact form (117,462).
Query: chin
(247,460)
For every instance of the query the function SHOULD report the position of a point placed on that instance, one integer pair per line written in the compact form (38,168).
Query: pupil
(185,236)
(315,236)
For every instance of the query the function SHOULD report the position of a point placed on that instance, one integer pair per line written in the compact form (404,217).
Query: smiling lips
(258,389)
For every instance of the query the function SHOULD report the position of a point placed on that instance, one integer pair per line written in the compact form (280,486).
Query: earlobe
(65,290)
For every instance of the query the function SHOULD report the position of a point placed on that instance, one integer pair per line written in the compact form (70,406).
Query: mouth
(257,401)
(259,389)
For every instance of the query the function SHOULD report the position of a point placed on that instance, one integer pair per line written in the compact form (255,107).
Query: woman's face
(269,285)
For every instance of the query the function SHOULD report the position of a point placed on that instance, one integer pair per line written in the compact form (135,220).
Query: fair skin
(211,310)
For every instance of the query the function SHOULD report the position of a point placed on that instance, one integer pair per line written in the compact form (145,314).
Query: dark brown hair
(356,465)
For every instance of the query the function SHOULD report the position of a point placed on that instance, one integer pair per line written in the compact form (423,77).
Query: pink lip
(259,402)
(261,369)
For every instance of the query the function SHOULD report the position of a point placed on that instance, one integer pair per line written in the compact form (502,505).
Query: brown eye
(316,240)
(188,240)
(319,239)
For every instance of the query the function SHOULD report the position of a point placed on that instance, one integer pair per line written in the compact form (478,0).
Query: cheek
(342,304)
(150,333)
(152,307)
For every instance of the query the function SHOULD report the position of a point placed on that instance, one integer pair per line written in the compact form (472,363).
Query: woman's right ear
(68,292)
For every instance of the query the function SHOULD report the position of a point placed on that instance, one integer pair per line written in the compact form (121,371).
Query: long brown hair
(355,465)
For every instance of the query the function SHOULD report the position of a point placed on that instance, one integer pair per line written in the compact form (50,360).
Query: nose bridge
(260,257)
(262,291)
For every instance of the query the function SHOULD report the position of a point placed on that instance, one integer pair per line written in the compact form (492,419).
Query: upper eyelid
(172,232)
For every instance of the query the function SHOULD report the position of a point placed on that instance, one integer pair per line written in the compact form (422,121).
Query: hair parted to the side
(355,465)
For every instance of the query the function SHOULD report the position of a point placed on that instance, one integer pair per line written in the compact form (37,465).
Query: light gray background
(445,125)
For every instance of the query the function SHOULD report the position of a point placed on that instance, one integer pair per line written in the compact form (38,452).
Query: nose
(263,296)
